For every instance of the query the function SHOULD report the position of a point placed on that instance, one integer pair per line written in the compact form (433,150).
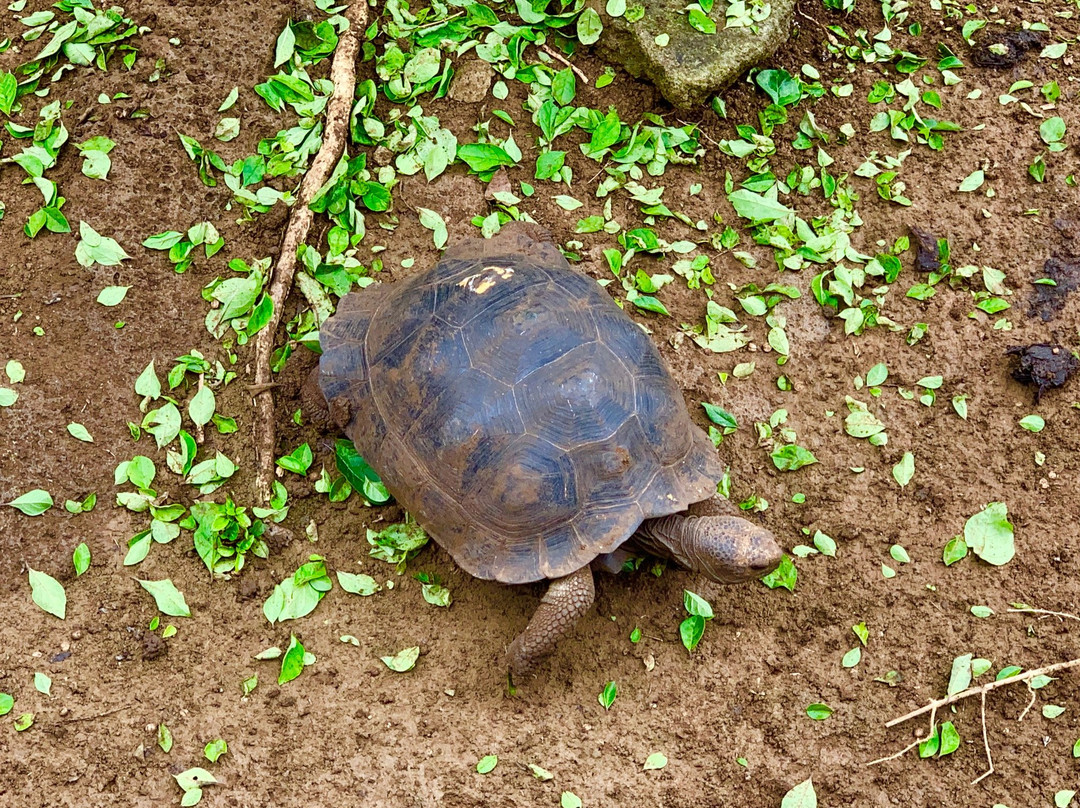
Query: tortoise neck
(667,537)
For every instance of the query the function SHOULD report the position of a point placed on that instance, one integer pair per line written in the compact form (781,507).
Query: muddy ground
(350,731)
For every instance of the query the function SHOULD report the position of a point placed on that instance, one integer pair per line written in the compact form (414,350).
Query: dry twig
(989,686)
(1045,613)
(335,131)
(554,54)
(982,691)
(832,39)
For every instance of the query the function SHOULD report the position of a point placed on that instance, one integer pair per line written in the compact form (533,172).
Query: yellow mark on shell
(482,281)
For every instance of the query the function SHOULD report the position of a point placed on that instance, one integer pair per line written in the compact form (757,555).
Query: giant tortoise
(530,426)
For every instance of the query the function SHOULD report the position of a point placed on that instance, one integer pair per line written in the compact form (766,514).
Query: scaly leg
(566,600)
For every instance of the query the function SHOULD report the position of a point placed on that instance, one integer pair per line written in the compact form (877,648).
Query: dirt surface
(350,731)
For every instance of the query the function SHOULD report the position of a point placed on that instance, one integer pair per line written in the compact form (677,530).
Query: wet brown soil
(351,732)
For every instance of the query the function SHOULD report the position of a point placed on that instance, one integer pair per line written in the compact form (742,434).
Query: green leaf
(955,550)
(147,384)
(989,534)
(1064,798)
(48,593)
(7,704)
(852,657)
(960,676)
(780,86)
(168,598)
(607,695)
(1052,711)
(292,661)
(825,544)
(285,47)
(215,749)
(360,475)
(819,711)
(24,722)
(563,87)
(361,584)
(801,796)
(635,635)
(487,763)
(163,241)
(1052,130)
(950,739)
(230,99)
(691,630)
(758,208)
(589,26)
(699,20)
(972,182)
(33,503)
(483,157)
(298,461)
(15,371)
(1076,746)
(404,660)
(1033,423)
(695,604)
(568,799)
(791,458)
(434,222)
(436,594)
(164,738)
(784,576)
(79,432)
(93,248)
(657,760)
(720,416)
(202,406)
(193,779)
(540,773)
(112,295)
(877,375)
(81,559)
(903,471)
(899,554)
(649,303)
(43,684)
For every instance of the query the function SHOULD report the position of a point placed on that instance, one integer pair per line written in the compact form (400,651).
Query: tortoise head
(726,549)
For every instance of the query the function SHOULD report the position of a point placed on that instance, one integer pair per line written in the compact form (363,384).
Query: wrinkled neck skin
(668,537)
(724,549)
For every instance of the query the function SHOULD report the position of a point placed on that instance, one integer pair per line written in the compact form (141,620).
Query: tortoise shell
(513,408)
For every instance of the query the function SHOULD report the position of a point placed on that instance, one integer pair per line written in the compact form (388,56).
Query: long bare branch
(335,132)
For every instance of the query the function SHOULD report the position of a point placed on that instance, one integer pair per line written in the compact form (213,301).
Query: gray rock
(472,79)
(693,66)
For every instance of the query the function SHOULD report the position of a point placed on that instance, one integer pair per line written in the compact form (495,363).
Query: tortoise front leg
(566,600)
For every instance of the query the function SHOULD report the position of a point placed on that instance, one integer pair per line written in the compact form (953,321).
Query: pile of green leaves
(79,35)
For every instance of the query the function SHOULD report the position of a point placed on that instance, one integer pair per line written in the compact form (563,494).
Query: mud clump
(927,250)
(1043,365)
(1049,299)
(1006,50)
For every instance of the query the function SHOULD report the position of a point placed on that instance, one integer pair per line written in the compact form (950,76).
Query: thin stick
(832,39)
(1030,704)
(1044,612)
(335,131)
(554,54)
(986,745)
(989,686)
(913,744)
